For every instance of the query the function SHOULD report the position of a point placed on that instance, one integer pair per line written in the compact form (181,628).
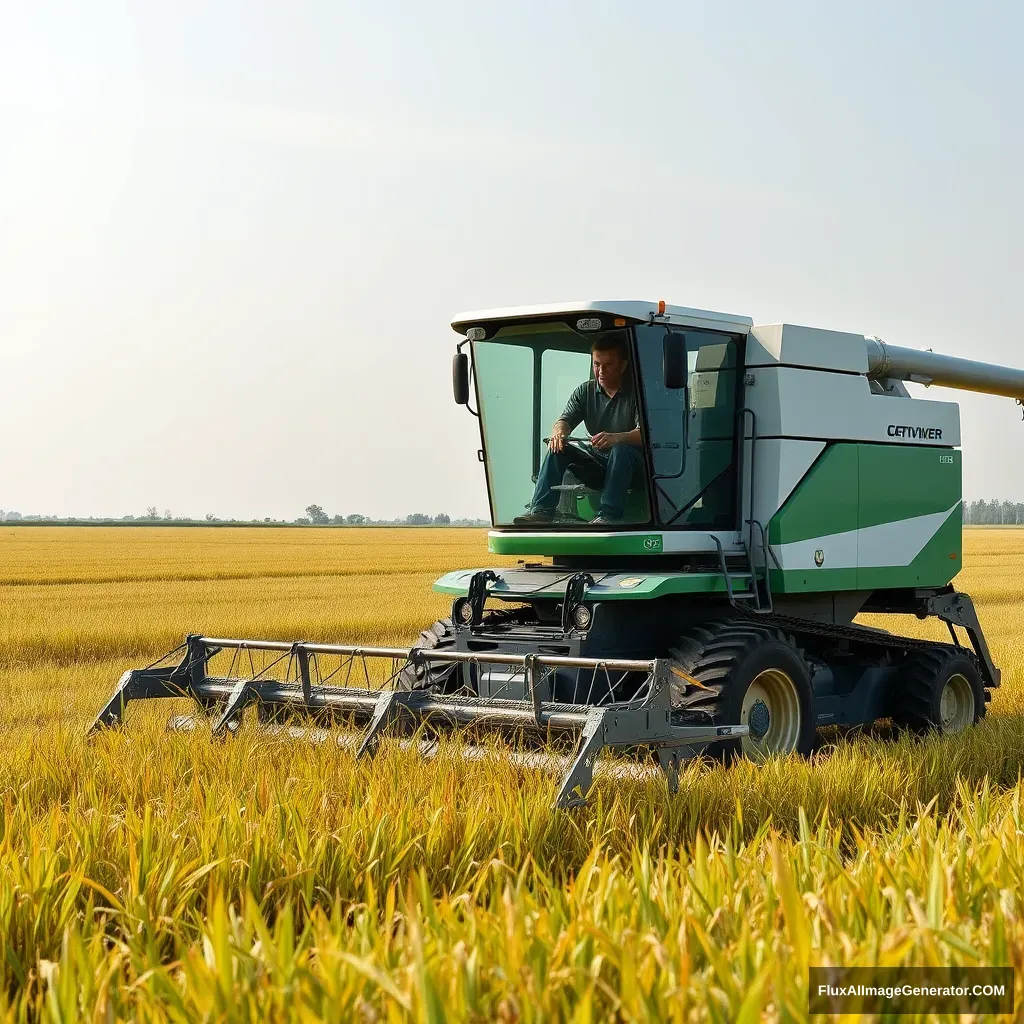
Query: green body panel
(935,566)
(813,581)
(870,517)
(566,543)
(901,482)
(825,501)
(622,586)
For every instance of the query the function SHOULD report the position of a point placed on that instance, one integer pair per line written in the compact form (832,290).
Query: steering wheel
(583,446)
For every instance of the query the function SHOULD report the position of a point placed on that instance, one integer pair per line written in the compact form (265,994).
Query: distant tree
(338,520)
(210,517)
(355,519)
(151,512)
(993,513)
(12,517)
(317,516)
(442,519)
(167,514)
(302,521)
(127,519)
(418,519)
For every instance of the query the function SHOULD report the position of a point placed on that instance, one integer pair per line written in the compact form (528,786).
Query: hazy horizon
(232,236)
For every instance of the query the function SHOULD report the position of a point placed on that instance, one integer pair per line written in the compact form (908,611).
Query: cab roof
(683,316)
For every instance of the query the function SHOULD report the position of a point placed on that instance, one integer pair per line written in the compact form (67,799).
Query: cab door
(691,434)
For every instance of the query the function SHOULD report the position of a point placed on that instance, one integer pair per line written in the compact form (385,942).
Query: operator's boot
(541,517)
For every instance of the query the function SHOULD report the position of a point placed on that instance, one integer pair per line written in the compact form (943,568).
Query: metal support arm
(958,610)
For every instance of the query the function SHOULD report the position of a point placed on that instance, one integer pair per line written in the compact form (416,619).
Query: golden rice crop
(148,875)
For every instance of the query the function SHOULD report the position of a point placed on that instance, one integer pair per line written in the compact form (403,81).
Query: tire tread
(709,653)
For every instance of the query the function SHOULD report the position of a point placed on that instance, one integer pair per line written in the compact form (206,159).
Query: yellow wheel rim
(956,705)
(771,708)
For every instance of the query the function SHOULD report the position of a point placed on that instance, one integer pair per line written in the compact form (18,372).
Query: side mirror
(673,360)
(460,378)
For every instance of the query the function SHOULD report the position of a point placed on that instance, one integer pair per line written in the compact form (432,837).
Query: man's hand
(556,442)
(603,441)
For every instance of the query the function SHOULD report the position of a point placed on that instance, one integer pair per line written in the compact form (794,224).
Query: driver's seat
(571,491)
(584,488)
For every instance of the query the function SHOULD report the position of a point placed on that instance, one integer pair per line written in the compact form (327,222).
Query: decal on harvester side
(631,581)
(927,433)
(819,557)
(653,543)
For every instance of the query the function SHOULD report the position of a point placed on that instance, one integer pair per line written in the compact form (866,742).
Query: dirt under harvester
(626,706)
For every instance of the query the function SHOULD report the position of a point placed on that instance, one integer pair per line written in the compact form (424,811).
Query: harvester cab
(704,507)
(680,380)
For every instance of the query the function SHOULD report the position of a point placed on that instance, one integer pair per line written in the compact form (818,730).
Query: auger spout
(887,361)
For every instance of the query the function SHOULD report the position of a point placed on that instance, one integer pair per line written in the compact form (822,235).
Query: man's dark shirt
(590,405)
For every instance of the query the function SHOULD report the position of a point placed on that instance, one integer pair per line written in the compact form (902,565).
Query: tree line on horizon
(996,512)
(315,516)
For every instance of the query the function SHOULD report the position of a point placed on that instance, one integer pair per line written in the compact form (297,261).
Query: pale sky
(232,235)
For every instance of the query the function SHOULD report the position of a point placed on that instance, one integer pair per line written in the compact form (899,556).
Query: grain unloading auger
(719,503)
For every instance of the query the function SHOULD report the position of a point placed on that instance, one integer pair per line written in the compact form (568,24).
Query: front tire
(735,672)
(432,676)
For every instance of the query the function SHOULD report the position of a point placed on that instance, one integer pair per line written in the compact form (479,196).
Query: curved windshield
(579,429)
(562,427)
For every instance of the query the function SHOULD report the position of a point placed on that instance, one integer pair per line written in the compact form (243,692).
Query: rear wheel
(735,672)
(939,688)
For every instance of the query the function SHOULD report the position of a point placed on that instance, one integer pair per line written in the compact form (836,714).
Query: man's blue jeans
(623,464)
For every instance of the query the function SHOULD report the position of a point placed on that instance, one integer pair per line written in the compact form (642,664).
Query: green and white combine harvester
(782,481)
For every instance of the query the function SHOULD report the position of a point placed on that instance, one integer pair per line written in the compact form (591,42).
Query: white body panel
(800,403)
(779,465)
(790,345)
(806,388)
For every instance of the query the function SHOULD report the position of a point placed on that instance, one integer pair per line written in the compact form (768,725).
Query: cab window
(692,446)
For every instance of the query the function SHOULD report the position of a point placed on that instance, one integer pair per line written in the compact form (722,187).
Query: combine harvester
(782,482)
